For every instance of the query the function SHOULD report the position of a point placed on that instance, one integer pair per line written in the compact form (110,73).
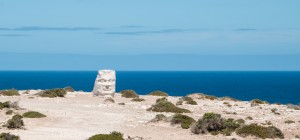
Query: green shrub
(158,93)
(289,121)
(163,105)
(69,89)
(8,112)
(9,92)
(112,136)
(15,122)
(33,114)
(52,93)
(260,131)
(129,94)
(249,118)
(188,100)
(240,121)
(8,136)
(214,123)
(8,104)
(5,104)
(256,102)
(138,99)
(159,117)
(184,120)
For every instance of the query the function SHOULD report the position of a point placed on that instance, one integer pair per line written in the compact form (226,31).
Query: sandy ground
(80,115)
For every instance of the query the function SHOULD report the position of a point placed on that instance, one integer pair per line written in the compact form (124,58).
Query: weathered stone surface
(105,83)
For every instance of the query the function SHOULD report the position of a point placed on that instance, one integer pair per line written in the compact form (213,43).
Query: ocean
(282,87)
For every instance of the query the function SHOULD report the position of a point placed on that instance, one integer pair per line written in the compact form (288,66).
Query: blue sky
(150,35)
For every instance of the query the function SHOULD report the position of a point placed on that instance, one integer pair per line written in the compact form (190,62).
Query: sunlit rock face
(105,84)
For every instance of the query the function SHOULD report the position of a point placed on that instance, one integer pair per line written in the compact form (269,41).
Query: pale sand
(80,115)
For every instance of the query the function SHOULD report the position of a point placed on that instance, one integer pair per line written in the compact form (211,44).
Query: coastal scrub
(163,105)
(112,136)
(33,114)
(9,92)
(260,131)
(158,93)
(52,93)
(8,136)
(129,94)
(15,122)
(184,120)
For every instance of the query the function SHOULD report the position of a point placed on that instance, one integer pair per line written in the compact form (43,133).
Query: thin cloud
(40,28)
(132,26)
(12,35)
(245,29)
(151,32)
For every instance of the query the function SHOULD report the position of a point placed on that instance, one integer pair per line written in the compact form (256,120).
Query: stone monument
(105,83)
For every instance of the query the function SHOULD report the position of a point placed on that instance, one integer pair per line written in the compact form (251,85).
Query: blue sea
(283,87)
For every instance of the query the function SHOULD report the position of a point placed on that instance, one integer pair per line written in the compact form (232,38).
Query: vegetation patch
(289,121)
(69,89)
(4,104)
(8,136)
(138,99)
(256,102)
(184,120)
(163,105)
(8,112)
(15,122)
(159,117)
(129,94)
(179,102)
(249,118)
(159,93)
(52,93)
(112,136)
(9,92)
(33,114)
(188,100)
(214,124)
(260,131)
(8,104)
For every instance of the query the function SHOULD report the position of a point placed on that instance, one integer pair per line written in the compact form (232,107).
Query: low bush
(8,112)
(33,114)
(15,122)
(8,136)
(52,93)
(163,105)
(215,124)
(158,93)
(69,89)
(240,121)
(184,120)
(188,100)
(159,117)
(129,94)
(260,131)
(112,136)
(249,118)
(138,99)
(256,102)
(4,104)
(289,121)
(8,104)
(9,92)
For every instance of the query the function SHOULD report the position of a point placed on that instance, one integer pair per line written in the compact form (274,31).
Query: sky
(197,35)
